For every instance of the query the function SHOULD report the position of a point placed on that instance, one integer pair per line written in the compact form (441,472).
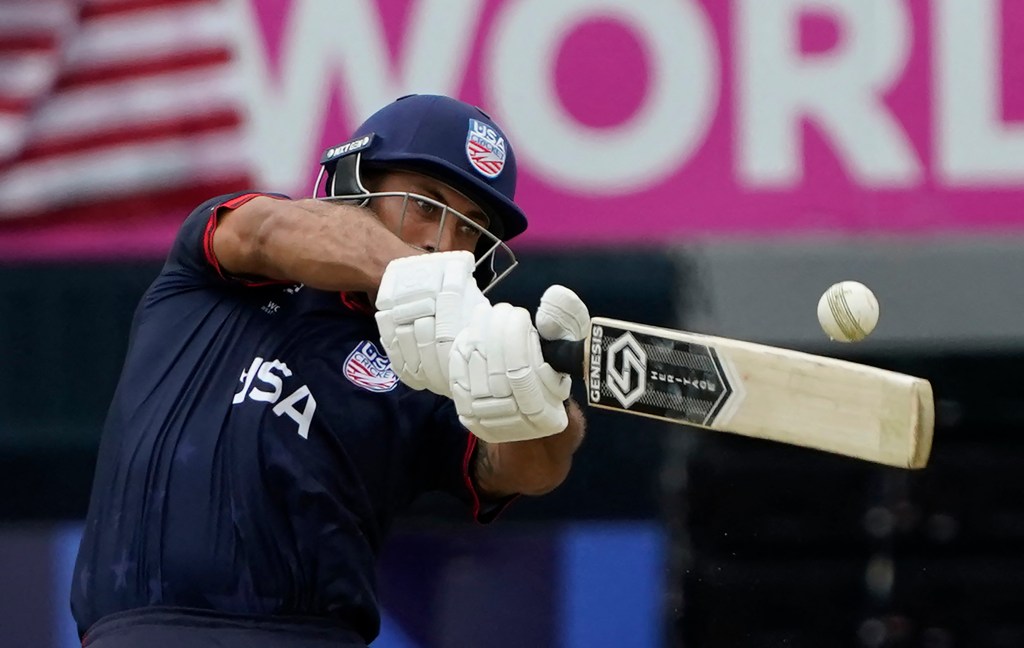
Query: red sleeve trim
(211,227)
(481,515)
(466,477)
(358,302)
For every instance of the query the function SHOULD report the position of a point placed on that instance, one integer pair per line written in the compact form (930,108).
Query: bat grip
(565,356)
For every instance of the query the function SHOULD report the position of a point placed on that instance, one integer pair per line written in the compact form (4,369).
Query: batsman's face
(426,224)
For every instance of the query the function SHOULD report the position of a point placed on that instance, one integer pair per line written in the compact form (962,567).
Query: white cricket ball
(848,311)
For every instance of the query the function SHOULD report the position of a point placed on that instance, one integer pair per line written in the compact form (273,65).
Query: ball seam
(843,315)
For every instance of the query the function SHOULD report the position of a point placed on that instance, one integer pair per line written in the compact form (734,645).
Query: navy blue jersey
(256,451)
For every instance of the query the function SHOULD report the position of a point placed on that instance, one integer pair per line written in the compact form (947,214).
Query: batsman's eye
(426,208)
(469,230)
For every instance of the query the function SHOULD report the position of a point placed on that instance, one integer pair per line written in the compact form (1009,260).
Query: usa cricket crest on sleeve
(659,377)
(368,368)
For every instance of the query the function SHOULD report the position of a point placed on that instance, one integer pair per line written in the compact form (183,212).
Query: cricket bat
(752,389)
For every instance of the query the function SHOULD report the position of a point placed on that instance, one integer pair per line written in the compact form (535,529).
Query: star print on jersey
(84,577)
(156,591)
(184,452)
(120,570)
(245,590)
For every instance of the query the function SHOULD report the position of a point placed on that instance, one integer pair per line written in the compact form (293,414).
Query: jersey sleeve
(192,251)
(448,465)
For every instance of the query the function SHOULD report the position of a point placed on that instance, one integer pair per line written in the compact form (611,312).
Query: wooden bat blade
(756,390)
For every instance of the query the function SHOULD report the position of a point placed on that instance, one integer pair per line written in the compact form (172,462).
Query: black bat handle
(563,355)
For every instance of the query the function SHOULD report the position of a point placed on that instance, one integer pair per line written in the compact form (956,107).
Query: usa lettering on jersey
(264,382)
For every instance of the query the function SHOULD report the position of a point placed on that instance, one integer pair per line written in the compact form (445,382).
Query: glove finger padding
(462,355)
(430,350)
(562,315)
(457,300)
(423,303)
(494,347)
(502,388)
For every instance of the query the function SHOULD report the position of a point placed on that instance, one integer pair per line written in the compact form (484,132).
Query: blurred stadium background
(711,164)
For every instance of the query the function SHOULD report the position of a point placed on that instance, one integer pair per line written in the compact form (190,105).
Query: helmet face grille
(494,259)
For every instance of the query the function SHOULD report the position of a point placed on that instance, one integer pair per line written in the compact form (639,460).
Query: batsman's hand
(423,303)
(502,387)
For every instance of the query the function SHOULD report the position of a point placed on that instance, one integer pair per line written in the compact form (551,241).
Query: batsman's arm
(325,246)
(532,467)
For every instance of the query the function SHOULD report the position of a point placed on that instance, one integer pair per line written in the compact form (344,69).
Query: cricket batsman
(300,371)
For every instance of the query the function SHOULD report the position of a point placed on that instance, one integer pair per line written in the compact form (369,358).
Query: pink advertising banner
(634,122)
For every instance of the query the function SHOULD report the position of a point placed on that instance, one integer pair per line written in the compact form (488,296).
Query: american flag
(113,112)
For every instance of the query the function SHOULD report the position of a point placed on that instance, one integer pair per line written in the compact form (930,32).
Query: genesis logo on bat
(625,375)
(656,376)
(627,378)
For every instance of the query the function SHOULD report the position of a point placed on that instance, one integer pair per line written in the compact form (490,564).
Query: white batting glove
(562,315)
(502,387)
(423,303)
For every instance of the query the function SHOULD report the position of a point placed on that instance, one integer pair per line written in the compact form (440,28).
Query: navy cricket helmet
(447,139)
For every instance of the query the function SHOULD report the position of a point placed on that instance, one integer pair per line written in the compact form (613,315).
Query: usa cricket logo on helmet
(485,149)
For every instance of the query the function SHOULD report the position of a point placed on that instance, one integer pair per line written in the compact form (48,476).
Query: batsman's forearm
(325,246)
(532,467)
(561,447)
(331,247)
